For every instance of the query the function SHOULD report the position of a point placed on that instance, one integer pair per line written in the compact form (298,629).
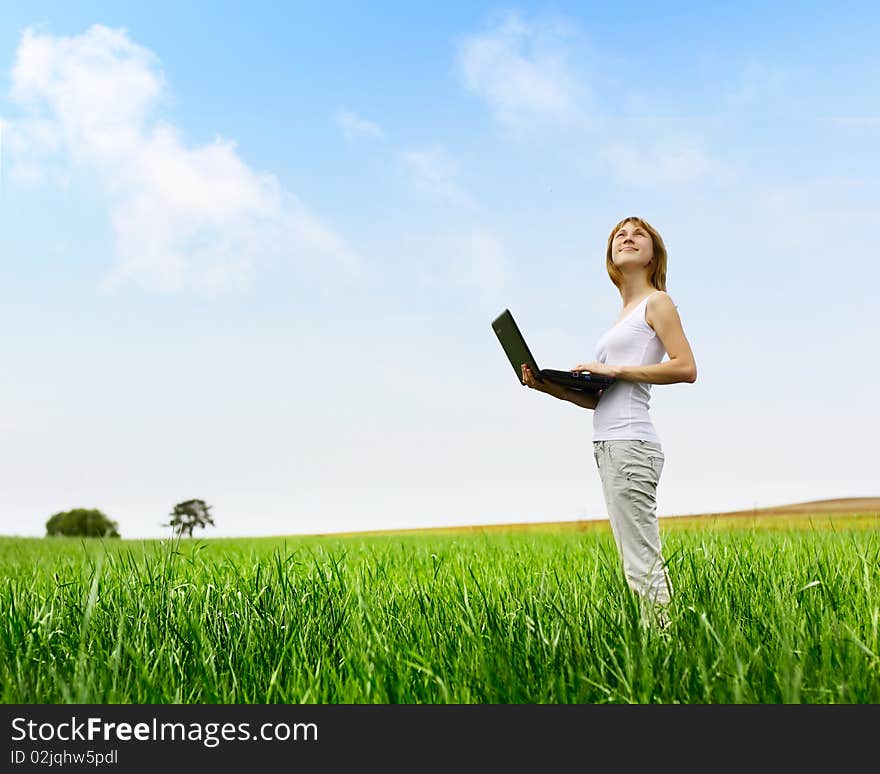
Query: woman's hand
(584,399)
(528,379)
(600,369)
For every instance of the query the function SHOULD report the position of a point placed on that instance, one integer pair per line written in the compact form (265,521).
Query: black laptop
(517,351)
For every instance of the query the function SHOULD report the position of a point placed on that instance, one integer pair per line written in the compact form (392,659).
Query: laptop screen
(517,351)
(513,344)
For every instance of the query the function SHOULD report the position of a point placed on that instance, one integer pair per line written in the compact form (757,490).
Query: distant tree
(188,515)
(82,522)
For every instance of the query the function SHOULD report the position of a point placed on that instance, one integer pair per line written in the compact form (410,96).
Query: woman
(628,452)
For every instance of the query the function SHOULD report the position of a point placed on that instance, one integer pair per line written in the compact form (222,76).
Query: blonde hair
(657,276)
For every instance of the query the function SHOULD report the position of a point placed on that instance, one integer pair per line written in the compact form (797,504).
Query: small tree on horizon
(188,515)
(82,522)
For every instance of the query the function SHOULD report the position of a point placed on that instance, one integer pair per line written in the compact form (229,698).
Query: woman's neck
(634,289)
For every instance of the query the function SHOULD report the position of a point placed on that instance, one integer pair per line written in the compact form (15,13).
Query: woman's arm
(578,397)
(585,400)
(662,316)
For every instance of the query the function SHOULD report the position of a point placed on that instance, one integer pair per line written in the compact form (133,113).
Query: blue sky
(252,255)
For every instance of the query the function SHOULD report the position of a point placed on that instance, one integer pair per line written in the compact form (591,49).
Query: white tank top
(622,412)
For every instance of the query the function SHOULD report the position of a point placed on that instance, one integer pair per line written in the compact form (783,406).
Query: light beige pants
(630,472)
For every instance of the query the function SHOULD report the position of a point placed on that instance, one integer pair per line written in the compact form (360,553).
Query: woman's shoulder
(660,298)
(657,302)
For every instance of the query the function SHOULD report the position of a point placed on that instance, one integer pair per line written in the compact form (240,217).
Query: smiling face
(631,246)
(635,246)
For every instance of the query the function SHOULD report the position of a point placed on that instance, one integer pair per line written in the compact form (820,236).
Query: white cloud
(182,216)
(465,263)
(24,142)
(662,163)
(756,80)
(352,124)
(527,75)
(433,170)
(520,69)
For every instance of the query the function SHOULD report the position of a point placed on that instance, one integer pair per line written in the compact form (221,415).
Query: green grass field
(787,614)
